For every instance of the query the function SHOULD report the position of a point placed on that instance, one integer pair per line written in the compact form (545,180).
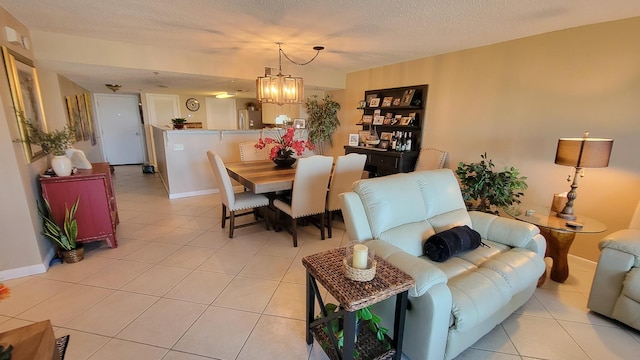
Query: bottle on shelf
(400,146)
(394,140)
(408,144)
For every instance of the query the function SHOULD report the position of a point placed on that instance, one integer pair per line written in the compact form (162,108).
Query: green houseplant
(489,189)
(322,119)
(63,237)
(363,316)
(178,123)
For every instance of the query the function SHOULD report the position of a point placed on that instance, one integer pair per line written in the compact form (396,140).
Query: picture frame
(407,97)
(378,120)
(386,102)
(299,123)
(74,116)
(374,102)
(385,136)
(92,131)
(405,120)
(27,101)
(363,136)
(367,119)
(353,139)
(384,144)
(387,118)
(396,102)
(369,97)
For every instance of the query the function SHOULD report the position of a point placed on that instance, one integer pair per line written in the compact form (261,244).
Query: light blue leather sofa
(456,302)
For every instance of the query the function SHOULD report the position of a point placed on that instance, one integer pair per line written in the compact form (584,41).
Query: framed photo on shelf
(405,120)
(384,144)
(363,136)
(387,119)
(396,119)
(378,120)
(353,139)
(367,119)
(374,102)
(369,97)
(299,123)
(407,97)
(396,102)
(385,136)
(386,102)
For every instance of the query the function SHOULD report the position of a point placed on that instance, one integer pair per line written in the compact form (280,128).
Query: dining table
(262,176)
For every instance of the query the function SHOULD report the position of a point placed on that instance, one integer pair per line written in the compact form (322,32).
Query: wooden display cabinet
(401,102)
(97,213)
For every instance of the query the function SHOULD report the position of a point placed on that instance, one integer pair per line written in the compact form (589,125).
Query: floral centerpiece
(284,145)
(55,142)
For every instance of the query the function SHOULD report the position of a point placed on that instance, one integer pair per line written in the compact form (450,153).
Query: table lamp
(581,153)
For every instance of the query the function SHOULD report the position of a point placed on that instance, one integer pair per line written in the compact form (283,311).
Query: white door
(121,126)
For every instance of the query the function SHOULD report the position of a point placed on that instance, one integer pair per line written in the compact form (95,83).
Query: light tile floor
(177,288)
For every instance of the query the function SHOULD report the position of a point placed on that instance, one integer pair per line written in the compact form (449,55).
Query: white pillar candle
(360,256)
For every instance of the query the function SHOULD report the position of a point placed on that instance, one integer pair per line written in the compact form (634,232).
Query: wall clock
(193,104)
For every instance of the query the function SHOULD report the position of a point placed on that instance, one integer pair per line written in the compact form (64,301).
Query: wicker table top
(326,268)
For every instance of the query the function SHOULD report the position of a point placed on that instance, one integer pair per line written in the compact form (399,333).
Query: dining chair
(309,194)
(235,201)
(248,152)
(430,159)
(348,169)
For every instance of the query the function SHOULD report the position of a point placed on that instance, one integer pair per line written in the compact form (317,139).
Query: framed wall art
(27,102)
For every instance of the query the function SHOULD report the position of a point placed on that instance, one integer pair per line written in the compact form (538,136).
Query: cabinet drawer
(382,161)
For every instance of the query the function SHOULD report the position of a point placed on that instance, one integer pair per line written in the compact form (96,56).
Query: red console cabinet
(96,214)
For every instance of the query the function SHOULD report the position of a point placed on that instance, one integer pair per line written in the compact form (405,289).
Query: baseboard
(193,193)
(29,270)
(584,262)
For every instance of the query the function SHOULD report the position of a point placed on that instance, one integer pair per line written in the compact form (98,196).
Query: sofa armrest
(627,241)
(506,231)
(355,217)
(424,273)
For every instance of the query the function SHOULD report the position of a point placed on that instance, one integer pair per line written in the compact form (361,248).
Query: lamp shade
(584,152)
(280,89)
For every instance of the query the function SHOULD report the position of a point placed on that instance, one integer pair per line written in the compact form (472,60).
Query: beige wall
(515,99)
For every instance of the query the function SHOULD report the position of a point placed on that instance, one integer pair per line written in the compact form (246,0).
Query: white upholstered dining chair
(430,159)
(309,193)
(248,152)
(348,169)
(235,201)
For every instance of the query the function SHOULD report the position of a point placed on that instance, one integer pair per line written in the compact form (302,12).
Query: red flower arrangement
(285,145)
(4,291)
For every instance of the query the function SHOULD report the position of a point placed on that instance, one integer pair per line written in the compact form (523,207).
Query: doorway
(121,125)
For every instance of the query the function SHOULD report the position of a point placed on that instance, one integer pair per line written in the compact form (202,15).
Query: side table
(559,236)
(326,268)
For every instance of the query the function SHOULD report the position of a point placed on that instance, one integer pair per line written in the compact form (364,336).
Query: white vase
(61,165)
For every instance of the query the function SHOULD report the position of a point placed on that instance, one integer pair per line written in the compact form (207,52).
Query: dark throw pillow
(443,245)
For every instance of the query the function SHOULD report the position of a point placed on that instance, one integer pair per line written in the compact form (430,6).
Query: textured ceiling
(357,34)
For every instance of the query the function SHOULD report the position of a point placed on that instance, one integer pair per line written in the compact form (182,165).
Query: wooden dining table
(261,176)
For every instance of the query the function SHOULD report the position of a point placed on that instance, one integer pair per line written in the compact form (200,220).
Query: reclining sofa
(455,302)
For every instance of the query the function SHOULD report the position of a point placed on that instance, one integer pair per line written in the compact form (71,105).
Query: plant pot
(284,162)
(72,256)
(178,126)
(61,165)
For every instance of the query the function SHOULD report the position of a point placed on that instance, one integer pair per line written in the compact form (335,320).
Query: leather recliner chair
(615,291)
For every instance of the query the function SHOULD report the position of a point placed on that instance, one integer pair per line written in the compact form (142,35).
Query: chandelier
(282,89)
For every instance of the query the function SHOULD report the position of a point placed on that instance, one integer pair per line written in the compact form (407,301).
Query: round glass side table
(558,234)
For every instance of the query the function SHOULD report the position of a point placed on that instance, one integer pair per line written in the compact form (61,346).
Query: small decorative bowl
(373,142)
(359,274)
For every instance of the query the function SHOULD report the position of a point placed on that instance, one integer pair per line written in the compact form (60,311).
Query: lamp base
(566,216)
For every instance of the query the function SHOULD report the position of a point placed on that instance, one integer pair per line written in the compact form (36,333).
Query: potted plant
(488,189)
(54,142)
(63,237)
(178,123)
(363,316)
(322,120)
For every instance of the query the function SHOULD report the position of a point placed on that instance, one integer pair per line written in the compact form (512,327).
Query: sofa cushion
(440,191)
(518,267)
(391,201)
(408,237)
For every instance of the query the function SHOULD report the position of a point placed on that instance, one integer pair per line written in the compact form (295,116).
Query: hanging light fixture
(113,87)
(282,89)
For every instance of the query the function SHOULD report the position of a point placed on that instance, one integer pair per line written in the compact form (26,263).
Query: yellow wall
(515,99)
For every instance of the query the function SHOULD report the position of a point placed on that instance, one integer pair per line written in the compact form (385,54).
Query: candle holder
(359,263)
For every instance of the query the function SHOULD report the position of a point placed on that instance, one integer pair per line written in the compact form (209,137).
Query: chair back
(430,159)
(309,194)
(635,220)
(248,152)
(222,178)
(348,169)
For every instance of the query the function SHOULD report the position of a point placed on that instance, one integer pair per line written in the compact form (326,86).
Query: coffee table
(326,268)
(559,236)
